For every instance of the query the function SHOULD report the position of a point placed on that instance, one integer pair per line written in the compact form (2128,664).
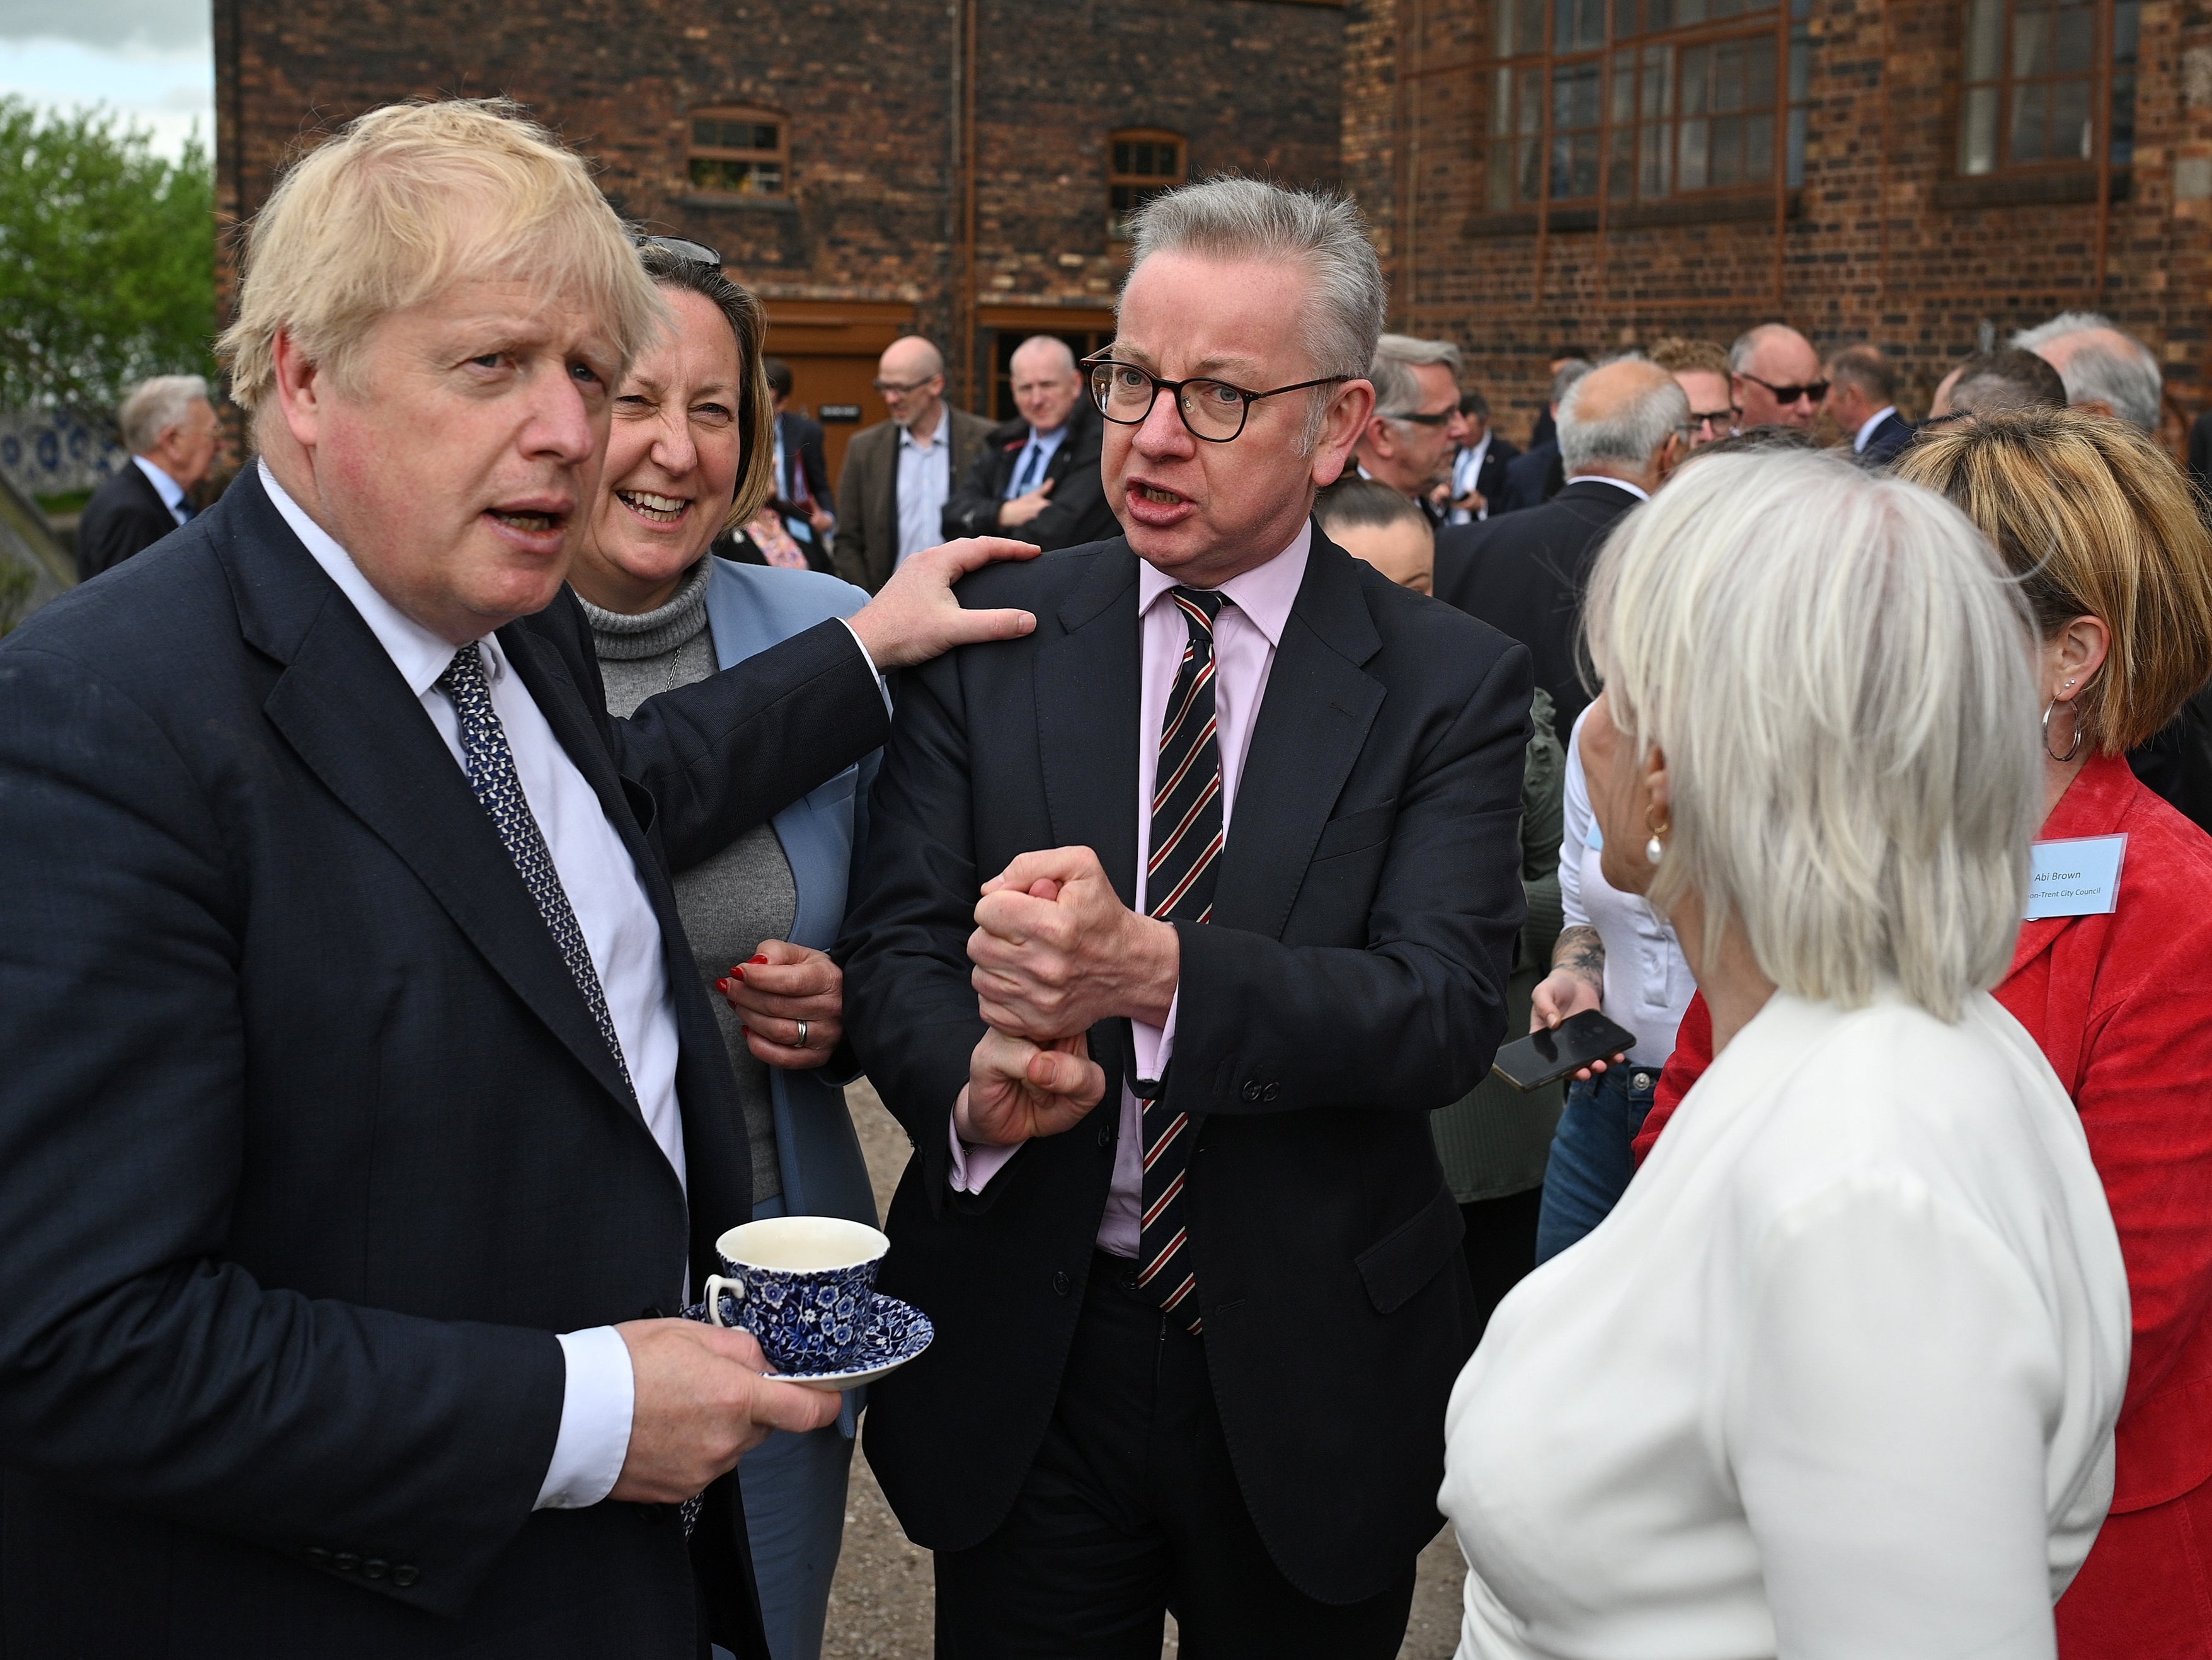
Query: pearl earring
(1654,849)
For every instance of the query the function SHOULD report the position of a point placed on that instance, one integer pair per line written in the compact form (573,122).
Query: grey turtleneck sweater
(742,895)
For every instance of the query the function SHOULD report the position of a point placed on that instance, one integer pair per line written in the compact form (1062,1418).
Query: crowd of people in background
(454,877)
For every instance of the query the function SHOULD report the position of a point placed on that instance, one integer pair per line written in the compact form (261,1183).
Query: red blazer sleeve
(1693,1053)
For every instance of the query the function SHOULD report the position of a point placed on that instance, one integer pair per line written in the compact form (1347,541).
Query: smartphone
(1545,1057)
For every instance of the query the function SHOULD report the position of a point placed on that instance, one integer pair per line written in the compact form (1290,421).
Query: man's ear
(1350,412)
(302,389)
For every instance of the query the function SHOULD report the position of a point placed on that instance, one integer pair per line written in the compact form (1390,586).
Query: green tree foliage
(107,260)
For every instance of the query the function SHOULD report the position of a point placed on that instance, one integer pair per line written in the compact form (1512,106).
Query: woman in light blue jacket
(689,453)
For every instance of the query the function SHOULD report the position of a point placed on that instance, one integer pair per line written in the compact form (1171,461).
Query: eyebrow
(1242,368)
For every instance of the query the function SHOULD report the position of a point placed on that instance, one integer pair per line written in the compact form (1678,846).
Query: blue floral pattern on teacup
(806,1321)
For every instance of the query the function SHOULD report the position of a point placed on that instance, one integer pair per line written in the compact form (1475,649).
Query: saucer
(894,1333)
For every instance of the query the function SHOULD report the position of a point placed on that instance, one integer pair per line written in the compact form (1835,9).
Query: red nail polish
(723,986)
(740,973)
(756,959)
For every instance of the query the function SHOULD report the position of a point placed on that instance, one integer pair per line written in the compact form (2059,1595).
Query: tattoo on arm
(1581,952)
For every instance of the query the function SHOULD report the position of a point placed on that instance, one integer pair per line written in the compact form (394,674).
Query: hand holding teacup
(702,1400)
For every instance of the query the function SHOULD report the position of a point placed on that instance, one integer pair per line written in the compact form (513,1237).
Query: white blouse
(1837,1377)
(1648,981)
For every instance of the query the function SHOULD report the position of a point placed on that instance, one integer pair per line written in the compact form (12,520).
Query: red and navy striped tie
(1185,857)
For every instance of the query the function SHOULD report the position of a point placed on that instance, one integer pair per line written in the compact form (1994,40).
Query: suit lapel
(1087,686)
(344,710)
(1319,706)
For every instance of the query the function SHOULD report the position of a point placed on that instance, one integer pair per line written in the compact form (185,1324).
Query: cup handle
(716,1285)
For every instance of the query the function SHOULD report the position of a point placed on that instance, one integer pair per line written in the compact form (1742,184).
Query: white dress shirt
(619,927)
(1245,637)
(924,479)
(170,492)
(1636,490)
(1648,983)
(1036,457)
(1837,1377)
(1866,428)
(1467,469)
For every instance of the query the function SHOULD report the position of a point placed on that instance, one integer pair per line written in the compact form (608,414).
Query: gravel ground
(881,1606)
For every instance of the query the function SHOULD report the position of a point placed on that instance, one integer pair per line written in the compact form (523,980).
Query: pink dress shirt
(1245,637)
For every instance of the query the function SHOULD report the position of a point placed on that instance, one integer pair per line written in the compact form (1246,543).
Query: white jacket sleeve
(1893,1388)
(1575,832)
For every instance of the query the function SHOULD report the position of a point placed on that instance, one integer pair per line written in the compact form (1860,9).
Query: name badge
(2076,877)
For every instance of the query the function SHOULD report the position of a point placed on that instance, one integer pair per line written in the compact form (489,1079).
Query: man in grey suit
(898,473)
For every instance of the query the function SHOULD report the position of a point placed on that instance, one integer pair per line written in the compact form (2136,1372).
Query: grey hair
(1563,382)
(1233,218)
(2129,382)
(152,407)
(1397,391)
(1632,436)
(1850,733)
(1746,345)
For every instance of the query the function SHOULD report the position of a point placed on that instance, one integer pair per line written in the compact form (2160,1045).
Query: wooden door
(832,348)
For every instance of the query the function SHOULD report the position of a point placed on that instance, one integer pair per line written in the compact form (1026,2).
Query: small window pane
(1727,151)
(2031,38)
(1697,61)
(2124,117)
(1658,82)
(1758,74)
(1757,148)
(1501,103)
(2127,28)
(2030,123)
(1728,76)
(1978,131)
(1519,27)
(1623,89)
(1687,12)
(2074,37)
(2072,137)
(1695,136)
(1653,184)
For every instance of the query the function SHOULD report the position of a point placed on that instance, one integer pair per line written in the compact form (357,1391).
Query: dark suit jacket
(311,1144)
(1490,476)
(2177,763)
(1523,574)
(1076,511)
(126,515)
(865,551)
(803,464)
(2200,450)
(1531,478)
(1353,981)
(1888,440)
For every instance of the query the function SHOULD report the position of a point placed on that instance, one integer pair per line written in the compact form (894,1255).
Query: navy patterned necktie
(1179,876)
(491,775)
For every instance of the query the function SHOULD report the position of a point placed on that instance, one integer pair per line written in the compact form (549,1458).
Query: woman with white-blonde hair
(1839,1375)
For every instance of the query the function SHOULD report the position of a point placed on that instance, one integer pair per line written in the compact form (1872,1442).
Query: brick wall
(872,91)
(1882,242)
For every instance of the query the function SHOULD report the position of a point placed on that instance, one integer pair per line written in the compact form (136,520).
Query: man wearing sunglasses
(1417,427)
(1776,376)
(1242,818)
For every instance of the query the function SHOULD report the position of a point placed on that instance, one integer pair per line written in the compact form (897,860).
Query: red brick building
(1927,175)
(871,168)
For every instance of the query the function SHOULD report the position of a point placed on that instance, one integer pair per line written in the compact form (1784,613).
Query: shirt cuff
(1154,1046)
(596,1405)
(882,687)
(973,1167)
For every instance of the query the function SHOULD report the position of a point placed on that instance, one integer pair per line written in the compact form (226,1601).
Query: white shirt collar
(1866,432)
(908,441)
(1636,490)
(419,655)
(1478,449)
(169,490)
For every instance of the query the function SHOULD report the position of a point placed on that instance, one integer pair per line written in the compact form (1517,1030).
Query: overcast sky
(152,60)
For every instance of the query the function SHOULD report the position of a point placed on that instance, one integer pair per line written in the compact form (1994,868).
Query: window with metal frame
(1140,164)
(2033,72)
(1652,100)
(740,152)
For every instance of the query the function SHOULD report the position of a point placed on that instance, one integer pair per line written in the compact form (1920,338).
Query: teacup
(803,1285)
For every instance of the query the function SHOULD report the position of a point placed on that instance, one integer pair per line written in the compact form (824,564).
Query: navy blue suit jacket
(310,1144)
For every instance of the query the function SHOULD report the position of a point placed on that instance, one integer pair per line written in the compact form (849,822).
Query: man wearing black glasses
(1417,426)
(899,473)
(1776,378)
(1242,818)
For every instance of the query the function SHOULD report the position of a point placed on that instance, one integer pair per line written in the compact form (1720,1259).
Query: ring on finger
(802,1034)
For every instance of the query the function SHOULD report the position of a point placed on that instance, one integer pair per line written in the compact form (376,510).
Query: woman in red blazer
(2119,1002)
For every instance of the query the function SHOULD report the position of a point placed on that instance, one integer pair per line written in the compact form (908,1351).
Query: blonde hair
(2096,522)
(403,202)
(1839,677)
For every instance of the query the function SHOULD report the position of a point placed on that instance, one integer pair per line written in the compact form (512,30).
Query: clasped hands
(1055,952)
